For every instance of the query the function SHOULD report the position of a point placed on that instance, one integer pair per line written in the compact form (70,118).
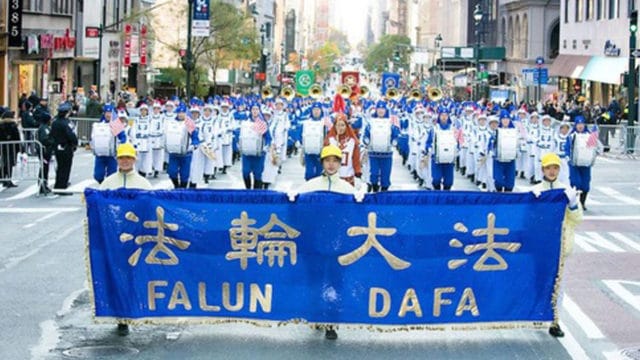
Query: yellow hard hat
(126,149)
(550,159)
(331,150)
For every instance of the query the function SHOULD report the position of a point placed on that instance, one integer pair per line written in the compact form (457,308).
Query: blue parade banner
(401,259)
(390,80)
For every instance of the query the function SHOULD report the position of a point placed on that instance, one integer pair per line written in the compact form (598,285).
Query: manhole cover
(631,353)
(92,352)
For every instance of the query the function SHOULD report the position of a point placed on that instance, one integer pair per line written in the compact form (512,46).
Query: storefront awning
(570,66)
(605,69)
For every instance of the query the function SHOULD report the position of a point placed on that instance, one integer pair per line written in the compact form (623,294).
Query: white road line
(571,344)
(30,191)
(614,355)
(600,241)
(623,293)
(586,324)
(36,210)
(612,218)
(617,195)
(625,240)
(48,216)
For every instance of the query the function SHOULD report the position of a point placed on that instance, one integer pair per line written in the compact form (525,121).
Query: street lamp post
(437,41)
(282,55)
(189,56)
(477,18)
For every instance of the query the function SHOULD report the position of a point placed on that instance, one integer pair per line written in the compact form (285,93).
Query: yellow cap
(126,149)
(550,159)
(331,150)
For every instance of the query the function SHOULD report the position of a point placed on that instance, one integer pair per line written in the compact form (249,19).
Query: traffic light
(633,21)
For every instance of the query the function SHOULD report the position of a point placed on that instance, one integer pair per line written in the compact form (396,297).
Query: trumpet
(315,91)
(364,91)
(392,94)
(267,93)
(345,91)
(415,94)
(288,93)
(435,93)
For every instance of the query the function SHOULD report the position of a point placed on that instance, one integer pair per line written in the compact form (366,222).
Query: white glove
(572,196)
(291,194)
(359,194)
(536,193)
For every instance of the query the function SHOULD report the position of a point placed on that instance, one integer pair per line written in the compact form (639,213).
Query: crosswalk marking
(598,240)
(586,324)
(572,345)
(29,191)
(617,195)
(624,239)
(621,291)
(591,241)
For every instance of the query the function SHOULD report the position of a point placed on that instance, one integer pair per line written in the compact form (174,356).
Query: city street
(47,310)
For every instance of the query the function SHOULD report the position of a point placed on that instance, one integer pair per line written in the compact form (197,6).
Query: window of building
(631,5)
(599,12)
(612,9)
(579,10)
(589,9)
(566,11)
(64,7)
(32,5)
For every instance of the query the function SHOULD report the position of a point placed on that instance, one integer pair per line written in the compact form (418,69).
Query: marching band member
(342,136)
(581,149)
(226,130)
(140,137)
(560,139)
(239,114)
(379,137)
(272,157)
(181,136)
(424,160)
(104,141)
(196,168)
(522,157)
(254,137)
(313,134)
(281,117)
(467,124)
(441,143)
(480,144)
(417,136)
(209,115)
(545,142)
(488,161)
(156,124)
(504,143)
(533,132)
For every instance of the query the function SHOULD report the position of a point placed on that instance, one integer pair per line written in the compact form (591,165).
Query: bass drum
(176,137)
(582,154)
(312,137)
(445,146)
(506,144)
(250,143)
(103,142)
(380,132)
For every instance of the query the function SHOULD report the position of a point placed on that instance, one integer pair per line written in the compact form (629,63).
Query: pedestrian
(66,143)
(550,164)
(125,178)
(8,152)
(581,151)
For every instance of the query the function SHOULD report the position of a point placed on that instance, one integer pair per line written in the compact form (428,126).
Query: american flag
(592,141)
(459,134)
(260,126)
(191,126)
(116,127)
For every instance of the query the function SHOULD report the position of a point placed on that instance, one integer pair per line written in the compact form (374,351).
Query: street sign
(92,31)
(535,76)
(539,61)
(635,53)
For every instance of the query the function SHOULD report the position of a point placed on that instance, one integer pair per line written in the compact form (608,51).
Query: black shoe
(522,175)
(123,330)
(555,331)
(224,170)
(463,171)
(330,334)
(144,175)
(9,184)
(155,174)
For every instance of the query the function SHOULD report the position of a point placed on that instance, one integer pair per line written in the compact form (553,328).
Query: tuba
(345,91)
(364,91)
(392,94)
(415,94)
(315,91)
(435,93)
(267,93)
(288,93)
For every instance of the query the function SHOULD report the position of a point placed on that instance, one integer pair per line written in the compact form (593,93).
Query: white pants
(470,163)
(158,159)
(462,156)
(227,155)
(491,183)
(563,176)
(270,171)
(425,172)
(521,161)
(144,162)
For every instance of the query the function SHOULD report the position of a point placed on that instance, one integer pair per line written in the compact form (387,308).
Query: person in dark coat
(8,132)
(66,143)
(48,145)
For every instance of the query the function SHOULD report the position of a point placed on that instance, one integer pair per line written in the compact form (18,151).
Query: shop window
(32,5)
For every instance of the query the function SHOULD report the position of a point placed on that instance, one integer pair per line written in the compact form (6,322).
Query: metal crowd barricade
(632,145)
(17,165)
(82,128)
